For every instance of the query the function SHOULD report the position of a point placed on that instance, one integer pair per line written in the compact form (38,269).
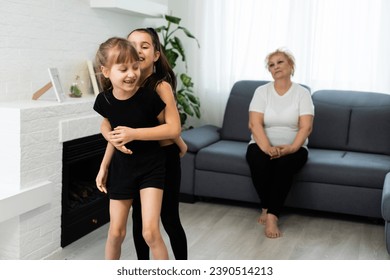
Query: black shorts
(130,173)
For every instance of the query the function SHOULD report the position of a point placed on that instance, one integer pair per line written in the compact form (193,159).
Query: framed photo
(92,76)
(56,83)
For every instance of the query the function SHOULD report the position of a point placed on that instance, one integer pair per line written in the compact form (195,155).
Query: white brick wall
(10,139)
(30,193)
(36,35)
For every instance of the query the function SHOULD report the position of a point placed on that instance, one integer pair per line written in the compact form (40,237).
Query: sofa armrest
(386,198)
(200,137)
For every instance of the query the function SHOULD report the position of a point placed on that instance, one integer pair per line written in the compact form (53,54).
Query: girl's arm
(105,129)
(101,178)
(170,129)
(182,145)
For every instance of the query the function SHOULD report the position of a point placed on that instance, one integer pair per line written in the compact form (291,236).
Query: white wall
(37,34)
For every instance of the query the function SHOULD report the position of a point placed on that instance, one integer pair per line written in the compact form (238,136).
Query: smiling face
(124,72)
(124,78)
(143,43)
(279,66)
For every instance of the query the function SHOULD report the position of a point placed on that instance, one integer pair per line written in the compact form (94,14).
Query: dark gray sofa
(349,155)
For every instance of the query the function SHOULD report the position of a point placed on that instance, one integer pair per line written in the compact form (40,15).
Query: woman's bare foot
(271,227)
(263,217)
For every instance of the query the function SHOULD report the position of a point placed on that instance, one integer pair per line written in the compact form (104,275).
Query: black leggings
(273,178)
(169,210)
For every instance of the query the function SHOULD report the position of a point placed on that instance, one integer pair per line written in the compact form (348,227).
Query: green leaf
(186,80)
(192,98)
(173,19)
(161,28)
(180,92)
(197,111)
(181,99)
(183,118)
(189,34)
(177,45)
(171,57)
(187,108)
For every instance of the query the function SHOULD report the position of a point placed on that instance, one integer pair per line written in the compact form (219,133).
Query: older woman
(280,119)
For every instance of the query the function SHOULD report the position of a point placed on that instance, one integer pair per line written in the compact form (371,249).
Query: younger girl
(157,75)
(125,104)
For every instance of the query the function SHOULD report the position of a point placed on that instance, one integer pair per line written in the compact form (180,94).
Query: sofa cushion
(364,116)
(330,120)
(345,168)
(323,166)
(224,156)
(236,117)
(200,137)
(370,129)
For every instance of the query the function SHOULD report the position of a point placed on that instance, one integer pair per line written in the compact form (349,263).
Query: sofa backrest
(352,121)
(236,117)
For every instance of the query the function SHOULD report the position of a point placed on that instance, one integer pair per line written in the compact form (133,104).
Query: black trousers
(273,178)
(169,210)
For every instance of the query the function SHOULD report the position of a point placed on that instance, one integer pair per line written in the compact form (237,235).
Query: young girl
(157,74)
(125,104)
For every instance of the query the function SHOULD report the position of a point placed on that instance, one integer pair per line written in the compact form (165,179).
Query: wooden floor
(220,231)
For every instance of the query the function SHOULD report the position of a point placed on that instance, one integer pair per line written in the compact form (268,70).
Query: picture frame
(92,76)
(56,83)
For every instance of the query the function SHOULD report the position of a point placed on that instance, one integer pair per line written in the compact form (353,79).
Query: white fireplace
(32,134)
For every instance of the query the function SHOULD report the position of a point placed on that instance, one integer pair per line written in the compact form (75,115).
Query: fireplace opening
(84,207)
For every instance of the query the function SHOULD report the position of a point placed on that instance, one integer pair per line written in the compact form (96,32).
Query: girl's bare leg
(151,199)
(119,212)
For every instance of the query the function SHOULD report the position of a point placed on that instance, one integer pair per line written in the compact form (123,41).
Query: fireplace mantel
(17,203)
(31,170)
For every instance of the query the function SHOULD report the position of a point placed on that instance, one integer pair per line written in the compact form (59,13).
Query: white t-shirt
(281,113)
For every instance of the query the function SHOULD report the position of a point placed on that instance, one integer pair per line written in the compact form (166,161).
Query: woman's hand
(281,151)
(273,152)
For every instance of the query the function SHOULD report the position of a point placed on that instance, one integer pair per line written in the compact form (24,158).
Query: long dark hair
(163,70)
(114,51)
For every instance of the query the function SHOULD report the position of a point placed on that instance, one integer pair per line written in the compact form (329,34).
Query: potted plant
(75,90)
(188,103)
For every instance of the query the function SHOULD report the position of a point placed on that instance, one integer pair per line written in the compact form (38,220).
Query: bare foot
(263,217)
(271,227)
